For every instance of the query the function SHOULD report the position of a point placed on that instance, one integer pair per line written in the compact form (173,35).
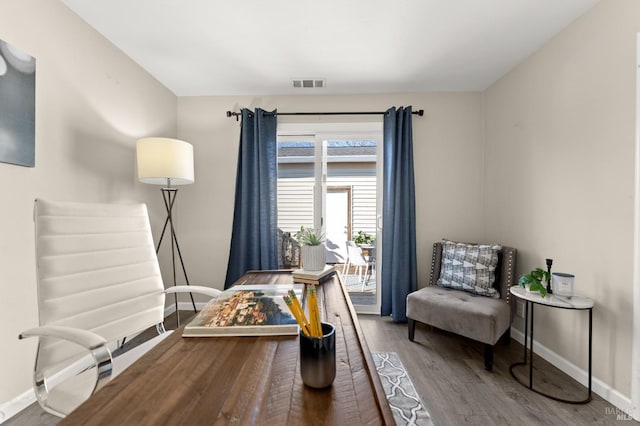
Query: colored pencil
(298,308)
(314,315)
(296,315)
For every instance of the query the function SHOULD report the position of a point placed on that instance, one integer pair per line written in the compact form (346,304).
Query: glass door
(328,179)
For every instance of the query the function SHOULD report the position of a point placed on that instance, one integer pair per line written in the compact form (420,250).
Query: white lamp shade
(165,160)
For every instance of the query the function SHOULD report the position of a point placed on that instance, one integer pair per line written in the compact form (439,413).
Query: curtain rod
(419,113)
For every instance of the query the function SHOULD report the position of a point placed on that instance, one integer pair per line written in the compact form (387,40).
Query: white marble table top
(574,302)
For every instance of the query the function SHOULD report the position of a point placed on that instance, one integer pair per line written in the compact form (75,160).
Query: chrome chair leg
(160,328)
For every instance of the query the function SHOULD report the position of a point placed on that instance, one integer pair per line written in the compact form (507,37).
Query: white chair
(356,258)
(98,282)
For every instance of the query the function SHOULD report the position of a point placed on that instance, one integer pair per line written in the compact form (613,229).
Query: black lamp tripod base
(169,196)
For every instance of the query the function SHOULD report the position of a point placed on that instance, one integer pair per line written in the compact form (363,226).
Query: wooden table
(245,380)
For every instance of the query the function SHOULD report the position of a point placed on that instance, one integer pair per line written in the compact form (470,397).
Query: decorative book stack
(313,277)
(247,310)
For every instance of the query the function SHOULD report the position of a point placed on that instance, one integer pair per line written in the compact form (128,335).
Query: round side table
(534,298)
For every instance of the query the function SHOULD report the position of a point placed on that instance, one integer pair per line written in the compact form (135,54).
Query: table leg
(526,328)
(528,346)
(531,351)
(590,350)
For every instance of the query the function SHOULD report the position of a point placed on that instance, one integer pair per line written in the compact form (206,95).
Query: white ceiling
(256,47)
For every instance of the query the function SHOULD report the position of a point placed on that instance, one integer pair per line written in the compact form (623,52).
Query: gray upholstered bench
(480,318)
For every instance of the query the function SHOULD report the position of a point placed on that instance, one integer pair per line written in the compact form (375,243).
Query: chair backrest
(505,270)
(96,269)
(355,254)
(288,250)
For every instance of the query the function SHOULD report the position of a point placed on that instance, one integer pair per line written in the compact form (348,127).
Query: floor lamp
(169,162)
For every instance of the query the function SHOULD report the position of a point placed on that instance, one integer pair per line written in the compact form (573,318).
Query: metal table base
(529,347)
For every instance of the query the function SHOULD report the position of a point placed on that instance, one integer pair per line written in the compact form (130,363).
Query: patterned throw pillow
(469,267)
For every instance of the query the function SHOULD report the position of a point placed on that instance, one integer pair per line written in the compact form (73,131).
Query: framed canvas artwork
(17,106)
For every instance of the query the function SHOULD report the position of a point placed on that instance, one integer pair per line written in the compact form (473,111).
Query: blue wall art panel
(17,106)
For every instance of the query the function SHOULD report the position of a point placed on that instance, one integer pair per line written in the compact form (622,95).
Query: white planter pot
(314,258)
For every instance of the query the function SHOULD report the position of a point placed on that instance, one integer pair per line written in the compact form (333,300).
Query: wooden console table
(245,380)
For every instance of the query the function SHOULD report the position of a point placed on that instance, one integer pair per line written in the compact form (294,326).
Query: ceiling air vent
(308,83)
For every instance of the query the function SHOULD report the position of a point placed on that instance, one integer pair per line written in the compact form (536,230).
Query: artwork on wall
(17,106)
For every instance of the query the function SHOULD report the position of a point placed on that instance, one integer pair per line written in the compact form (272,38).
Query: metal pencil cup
(318,358)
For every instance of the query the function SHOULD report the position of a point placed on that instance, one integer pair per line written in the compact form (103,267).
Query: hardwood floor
(448,374)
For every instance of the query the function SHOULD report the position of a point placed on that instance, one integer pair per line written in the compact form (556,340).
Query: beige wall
(92,103)
(448,155)
(559,135)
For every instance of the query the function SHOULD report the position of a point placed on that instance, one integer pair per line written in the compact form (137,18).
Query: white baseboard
(11,408)
(598,387)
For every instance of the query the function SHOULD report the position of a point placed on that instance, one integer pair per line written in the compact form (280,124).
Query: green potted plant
(312,250)
(309,237)
(363,238)
(535,281)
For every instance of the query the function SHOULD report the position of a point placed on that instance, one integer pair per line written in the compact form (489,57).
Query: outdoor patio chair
(357,259)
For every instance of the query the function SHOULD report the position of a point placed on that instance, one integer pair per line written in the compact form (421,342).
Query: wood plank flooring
(448,374)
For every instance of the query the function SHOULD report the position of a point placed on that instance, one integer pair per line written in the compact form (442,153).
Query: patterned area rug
(402,396)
